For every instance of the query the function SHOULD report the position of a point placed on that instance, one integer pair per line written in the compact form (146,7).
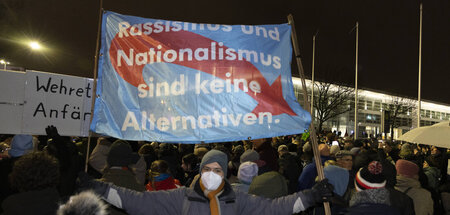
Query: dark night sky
(388,36)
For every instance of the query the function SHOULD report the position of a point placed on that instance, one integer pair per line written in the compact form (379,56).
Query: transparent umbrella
(435,135)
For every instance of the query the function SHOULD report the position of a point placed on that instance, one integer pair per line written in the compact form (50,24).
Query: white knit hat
(247,171)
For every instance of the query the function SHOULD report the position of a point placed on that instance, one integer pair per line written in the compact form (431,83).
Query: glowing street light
(4,62)
(34,45)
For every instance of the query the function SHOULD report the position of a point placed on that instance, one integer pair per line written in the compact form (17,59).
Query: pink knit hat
(407,168)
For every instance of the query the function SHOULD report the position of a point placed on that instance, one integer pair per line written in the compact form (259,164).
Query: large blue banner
(172,81)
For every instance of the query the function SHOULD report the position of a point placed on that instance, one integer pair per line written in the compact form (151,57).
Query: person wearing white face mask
(211,194)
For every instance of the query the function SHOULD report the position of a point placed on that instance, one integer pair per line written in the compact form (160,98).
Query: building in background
(374,111)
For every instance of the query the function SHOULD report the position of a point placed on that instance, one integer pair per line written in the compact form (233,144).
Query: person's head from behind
(146,149)
(247,171)
(358,143)
(35,171)
(200,152)
(407,169)
(188,162)
(348,143)
(20,145)
(344,159)
(159,167)
(121,155)
(435,150)
(213,169)
(370,177)
(258,143)
(282,149)
(324,149)
(84,203)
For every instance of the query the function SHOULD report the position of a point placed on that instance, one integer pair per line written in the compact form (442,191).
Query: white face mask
(211,180)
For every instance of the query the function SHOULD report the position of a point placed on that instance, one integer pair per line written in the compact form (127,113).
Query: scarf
(213,196)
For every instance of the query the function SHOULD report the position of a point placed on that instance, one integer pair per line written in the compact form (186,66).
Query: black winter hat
(370,177)
(121,154)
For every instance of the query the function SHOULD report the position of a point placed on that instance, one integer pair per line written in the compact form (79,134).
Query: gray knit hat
(249,155)
(215,156)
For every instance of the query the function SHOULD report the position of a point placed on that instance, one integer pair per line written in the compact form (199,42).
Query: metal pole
(94,89)
(355,134)
(312,130)
(420,67)
(312,77)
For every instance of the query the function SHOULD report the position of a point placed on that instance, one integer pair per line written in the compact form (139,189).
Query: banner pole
(94,89)
(312,75)
(420,66)
(355,133)
(312,130)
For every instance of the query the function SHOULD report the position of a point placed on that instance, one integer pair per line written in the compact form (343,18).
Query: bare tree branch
(331,101)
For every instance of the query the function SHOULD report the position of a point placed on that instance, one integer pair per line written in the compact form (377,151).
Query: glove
(86,182)
(322,191)
(52,132)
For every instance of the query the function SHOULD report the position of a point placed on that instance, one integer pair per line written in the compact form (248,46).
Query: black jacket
(37,202)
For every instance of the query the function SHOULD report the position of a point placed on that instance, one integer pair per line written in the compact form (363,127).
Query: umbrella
(435,135)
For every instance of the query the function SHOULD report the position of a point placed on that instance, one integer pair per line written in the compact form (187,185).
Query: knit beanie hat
(406,168)
(215,156)
(370,177)
(20,145)
(121,154)
(247,171)
(249,155)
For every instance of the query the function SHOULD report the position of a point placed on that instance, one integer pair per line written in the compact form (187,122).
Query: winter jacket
(309,174)
(241,187)
(192,201)
(373,201)
(401,201)
(433,175)
(122,178)
(6,166)
(423,204)
(98,161)
(37,202)
(163,182)
(290,169)
(338,205)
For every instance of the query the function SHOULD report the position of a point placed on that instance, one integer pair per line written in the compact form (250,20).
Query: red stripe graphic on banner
(270,99)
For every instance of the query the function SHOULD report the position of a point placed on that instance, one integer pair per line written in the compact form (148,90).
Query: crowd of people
(45,175)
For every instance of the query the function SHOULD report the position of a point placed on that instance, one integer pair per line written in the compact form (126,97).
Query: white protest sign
(60,100)
(11,101)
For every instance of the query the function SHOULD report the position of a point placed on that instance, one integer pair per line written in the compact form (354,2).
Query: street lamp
(4,62)
(35,45)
